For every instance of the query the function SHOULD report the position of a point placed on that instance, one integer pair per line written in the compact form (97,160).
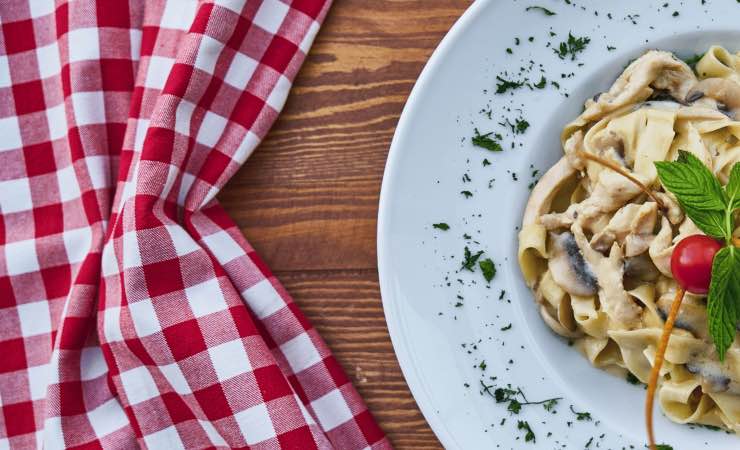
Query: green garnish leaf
(663,447)
(540,8)
(541,84)
(733,188)
(486,141)
(697,191)
(711,208)
(441,226)
(488,269)
(723,308)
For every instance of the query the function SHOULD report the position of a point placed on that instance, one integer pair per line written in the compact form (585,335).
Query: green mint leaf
(723,309)
(697,191)
(488,269)
(733,187)
(441,226)
(692,182)
(710,222)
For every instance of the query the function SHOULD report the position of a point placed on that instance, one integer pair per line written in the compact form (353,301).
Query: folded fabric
(132,311)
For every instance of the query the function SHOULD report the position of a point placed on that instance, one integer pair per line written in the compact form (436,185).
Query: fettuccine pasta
(595,249)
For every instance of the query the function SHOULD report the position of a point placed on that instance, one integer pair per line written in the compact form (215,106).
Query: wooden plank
(307,198)
(344,307)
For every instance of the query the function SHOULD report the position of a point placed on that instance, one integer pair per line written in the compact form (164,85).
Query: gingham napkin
(132,311)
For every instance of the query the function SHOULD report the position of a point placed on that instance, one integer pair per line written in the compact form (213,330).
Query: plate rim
(400,347)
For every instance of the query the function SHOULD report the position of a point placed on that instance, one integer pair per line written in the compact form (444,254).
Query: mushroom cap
(568,267)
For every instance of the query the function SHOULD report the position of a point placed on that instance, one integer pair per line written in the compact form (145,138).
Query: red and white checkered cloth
(132,311)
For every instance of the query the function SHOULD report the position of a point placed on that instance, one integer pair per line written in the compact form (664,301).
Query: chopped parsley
(529,436)
(549,404)
(506,328)
(485,141)
(488,269)
(541,84)
(486,162)
(675,14)
(467,194)
(572,47)
(663,447)
(540,8)
(521,126)
(584,416)
(510,396)
(504,85)
(469,259)
(441,226)
(611,48)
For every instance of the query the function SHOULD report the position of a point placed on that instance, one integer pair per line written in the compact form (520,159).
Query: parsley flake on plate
(488,268)
(486,141)
(572,47)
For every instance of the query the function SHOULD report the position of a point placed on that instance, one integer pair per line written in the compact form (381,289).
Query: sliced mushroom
(714,378)
(638,270)
(691,317)
(725,92)
(568,268)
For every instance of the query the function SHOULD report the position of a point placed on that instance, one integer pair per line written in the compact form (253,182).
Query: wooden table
(307,199)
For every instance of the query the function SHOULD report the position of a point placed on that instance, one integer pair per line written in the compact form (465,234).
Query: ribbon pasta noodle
(595,249)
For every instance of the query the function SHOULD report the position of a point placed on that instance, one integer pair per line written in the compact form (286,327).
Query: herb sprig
(712,208)
(572,46)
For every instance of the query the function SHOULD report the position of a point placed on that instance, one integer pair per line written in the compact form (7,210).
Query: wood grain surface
(307,199)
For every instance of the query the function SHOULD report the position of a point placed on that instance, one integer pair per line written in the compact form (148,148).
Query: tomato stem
(610,165)
(658,362)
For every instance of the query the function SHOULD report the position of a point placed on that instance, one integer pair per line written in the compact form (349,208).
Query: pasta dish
(596,248)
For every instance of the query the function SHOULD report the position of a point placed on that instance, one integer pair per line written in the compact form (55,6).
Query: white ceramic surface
(430,152)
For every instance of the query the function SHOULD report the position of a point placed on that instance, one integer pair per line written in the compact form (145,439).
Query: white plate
(430,153)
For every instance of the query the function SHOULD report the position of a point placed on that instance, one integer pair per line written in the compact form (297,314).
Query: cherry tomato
(691,263)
